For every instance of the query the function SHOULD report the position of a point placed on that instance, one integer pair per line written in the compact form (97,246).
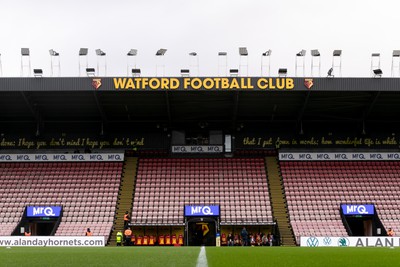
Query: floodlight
(377,73)
(24,51)
(161,52)
(396,53)
(243,51)
(337,53)
(267,53)
(222,53)
(315,53)
(99,52)
(90,71)
(132,52)
(330,73)
(37,72)
(282,72)
(83,51)
(53,53)
(302,53)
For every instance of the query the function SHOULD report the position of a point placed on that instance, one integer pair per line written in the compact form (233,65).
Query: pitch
(188,256)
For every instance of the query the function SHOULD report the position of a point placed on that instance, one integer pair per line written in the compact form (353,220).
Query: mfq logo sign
(312,242)
(201,210)
(197,149)
(358,209)
(43,211)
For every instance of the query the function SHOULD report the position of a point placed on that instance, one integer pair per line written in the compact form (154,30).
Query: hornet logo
(96,83)
(308,83)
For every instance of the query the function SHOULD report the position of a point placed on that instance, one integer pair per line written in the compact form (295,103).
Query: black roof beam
(35,113)
(168,108)
(99,107)
(235,109)
(303,108)
(371,106)
(31,106)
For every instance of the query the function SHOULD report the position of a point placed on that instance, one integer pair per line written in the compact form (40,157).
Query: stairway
(125,196)
(278,202)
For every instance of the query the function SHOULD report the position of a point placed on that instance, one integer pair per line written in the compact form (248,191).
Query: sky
(358,27)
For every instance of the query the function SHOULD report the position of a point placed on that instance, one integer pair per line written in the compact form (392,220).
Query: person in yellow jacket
(120,236)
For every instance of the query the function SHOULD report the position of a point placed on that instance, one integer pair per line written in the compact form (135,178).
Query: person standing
(244,234)
(390,232)
(230,240)
(119,238)
(270,239)
(88,232)
(128,235)
(126,219)
(264,239)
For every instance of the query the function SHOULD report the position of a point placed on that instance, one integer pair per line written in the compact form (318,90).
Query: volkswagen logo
(312,242)
(327,241)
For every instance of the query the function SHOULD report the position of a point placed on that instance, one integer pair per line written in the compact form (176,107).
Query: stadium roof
(346,102)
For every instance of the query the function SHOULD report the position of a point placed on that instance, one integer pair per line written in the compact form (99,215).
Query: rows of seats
(315,190)
(79,228)
(161,240)
(165,186)
(87,191)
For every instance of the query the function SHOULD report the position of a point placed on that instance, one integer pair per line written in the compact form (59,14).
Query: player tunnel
(202,224)
(361,220)
(39,220)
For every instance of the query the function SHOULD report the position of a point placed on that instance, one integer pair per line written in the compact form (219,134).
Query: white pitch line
(202,259)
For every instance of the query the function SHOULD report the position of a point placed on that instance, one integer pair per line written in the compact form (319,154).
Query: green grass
(187,256)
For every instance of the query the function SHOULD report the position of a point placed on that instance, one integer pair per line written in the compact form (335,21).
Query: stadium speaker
(234,72)
(136,72)
(282,72)
(378,73)
(37,72)
(90,71)
(185,72)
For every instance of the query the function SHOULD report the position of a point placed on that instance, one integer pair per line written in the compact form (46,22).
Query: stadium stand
(315,190)
(87,191)
(164,186)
